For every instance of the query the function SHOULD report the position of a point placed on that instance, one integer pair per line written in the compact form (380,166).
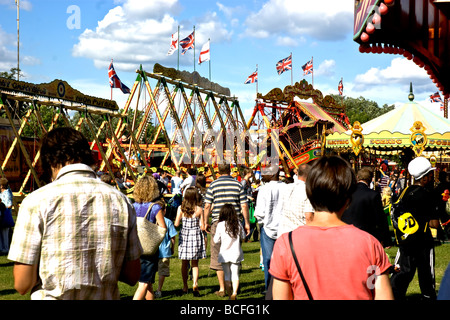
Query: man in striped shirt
(76,237)
(221,191)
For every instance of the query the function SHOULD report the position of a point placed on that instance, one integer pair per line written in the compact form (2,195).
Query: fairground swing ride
(197,122)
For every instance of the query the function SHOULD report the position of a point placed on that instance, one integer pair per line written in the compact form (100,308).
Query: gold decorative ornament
(357,138)
(418,138)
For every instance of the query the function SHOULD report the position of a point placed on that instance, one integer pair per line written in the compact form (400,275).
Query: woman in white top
(229,234)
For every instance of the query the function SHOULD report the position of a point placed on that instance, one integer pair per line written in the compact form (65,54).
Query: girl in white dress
(229,234)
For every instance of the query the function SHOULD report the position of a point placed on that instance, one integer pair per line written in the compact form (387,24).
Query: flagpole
(257,82)
(111,86)
(209,45)
(292,71)
(312,73)
(178,44)
(194,49)
(18,42)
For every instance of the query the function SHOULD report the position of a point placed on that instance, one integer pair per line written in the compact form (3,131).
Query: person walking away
(7,222)
(166,250)
(366,209)
(418,251)
(191,244)
(74,210)
(247,174)
(189,181)
(268,211)
(332,269)
(223,190)
(230,234)
(175,183)
(297,210)
(146,195)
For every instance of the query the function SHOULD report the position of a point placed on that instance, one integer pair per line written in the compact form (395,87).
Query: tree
(362,110)
(12,74)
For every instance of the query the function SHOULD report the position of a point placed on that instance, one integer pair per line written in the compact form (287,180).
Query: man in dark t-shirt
(419,252)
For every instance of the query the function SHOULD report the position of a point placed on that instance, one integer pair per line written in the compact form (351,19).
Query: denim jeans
(267,248)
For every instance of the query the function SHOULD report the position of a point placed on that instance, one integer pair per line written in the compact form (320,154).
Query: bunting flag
(114,80)
(341,87)
(173,45)
(204,53)
(252,78)
(308,68)
(284,65)
(187,43)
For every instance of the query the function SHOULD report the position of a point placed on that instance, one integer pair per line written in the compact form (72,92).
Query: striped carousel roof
(402,118)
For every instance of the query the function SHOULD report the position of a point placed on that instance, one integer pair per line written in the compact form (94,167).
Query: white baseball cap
(419,167)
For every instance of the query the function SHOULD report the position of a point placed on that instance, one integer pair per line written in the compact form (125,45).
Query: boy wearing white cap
(418,253)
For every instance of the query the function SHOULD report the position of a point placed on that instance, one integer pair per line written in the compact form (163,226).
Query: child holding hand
(230,234)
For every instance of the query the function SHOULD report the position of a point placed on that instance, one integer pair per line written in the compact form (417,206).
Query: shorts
(164,267)
(149,267)
(215,248)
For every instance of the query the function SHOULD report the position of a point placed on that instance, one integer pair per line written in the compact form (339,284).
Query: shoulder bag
(150,234)
(308,292)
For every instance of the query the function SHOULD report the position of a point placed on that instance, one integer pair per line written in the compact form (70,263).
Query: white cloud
(290,41)
(401,72)
(328,20)
(138,32)
(8,53)
(326,68)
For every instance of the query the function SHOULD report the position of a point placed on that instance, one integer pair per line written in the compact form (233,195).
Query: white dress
(230,248)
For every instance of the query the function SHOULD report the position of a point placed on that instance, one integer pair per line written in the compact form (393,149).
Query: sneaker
(158,294)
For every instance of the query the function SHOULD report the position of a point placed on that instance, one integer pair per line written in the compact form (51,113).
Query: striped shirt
(225,190)
(79,231)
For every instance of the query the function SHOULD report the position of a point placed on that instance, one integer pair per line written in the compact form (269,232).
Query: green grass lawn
(252,278)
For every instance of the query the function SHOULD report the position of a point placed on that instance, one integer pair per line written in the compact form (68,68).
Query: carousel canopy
(316,113)
(410,125)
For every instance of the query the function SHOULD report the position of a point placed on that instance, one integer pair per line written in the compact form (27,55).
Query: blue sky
(243,34)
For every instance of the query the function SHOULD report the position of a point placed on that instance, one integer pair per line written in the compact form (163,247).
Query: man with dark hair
(366,209)
(221,191)
(76,237)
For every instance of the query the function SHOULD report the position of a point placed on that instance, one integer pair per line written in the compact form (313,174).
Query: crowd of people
(322,229)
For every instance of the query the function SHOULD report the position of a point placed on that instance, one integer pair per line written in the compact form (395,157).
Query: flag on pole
(436,97)
(308,68)
(252,78)
(114,80)
(284,65)
(187,43)
(173,45)
(341,87)
(205,54)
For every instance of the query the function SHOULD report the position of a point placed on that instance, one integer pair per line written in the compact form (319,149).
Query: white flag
(173,45)
(204,54)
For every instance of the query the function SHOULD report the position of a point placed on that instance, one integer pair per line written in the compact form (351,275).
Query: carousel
(409,131)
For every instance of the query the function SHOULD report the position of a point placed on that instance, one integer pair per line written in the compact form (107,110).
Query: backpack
(404,223)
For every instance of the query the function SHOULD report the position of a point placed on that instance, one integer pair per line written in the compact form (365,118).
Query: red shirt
(339,263)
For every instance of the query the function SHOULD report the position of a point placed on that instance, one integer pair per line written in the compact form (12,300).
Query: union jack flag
(114,80)
(308,67)
(284,65)
(436,97)
(341,87)
(187,43)
(252,78)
